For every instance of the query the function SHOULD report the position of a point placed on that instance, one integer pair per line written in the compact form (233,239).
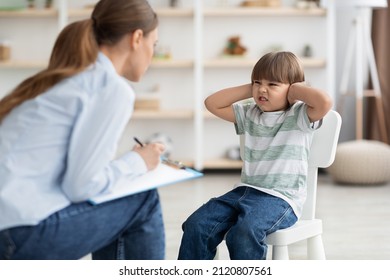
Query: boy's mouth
(262,98)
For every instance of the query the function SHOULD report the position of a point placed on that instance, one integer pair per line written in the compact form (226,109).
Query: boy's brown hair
(282,67)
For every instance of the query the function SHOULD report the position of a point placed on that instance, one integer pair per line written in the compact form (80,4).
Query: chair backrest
(322,155)
(325,139)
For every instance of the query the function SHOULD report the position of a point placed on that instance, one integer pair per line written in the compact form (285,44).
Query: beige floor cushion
(362,162)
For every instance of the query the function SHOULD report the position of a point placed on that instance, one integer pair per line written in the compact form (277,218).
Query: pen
(138,142)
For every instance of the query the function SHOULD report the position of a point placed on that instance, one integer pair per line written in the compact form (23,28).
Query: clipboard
(163,175)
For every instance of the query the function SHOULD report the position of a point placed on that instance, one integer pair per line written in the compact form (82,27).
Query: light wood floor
(356,219)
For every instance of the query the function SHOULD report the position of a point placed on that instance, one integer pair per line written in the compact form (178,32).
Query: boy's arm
(220,103)
(318,102)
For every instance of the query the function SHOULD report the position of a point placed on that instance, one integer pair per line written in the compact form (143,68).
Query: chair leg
(315,248)
(280,252)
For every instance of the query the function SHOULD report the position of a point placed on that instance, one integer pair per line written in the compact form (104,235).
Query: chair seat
(301,230)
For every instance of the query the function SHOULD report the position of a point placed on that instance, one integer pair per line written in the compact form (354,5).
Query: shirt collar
(106,62)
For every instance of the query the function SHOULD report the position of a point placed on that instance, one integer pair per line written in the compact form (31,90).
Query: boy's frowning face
(270,96)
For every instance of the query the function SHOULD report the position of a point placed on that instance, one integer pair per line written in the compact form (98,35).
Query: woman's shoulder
(97,79)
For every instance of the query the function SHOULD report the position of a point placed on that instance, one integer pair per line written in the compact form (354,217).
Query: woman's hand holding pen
(150,153)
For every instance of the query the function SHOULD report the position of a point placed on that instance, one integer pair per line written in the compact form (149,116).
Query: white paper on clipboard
(163,175)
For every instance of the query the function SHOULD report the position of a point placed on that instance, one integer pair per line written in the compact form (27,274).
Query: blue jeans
(245,215)
(127,228)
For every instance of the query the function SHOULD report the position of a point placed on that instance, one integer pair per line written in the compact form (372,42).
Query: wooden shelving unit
(187,77)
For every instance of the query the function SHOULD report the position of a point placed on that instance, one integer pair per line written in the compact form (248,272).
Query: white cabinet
(195,34)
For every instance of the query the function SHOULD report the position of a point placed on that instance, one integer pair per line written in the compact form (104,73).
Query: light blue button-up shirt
(59,147)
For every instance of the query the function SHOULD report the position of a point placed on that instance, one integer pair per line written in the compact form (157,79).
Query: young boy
(278,130)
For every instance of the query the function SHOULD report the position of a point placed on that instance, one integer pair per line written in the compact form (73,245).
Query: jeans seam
(279,221)
(242,197)
(120,253)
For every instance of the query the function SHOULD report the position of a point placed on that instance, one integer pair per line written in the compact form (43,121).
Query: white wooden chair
(322,154)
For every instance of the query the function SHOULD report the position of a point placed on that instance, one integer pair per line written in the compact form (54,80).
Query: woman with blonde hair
(59,131)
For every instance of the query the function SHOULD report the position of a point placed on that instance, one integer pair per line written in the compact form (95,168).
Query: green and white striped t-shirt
(276,150)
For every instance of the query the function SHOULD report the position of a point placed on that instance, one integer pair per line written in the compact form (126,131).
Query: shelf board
(162,114)
(171,63)
(222,164)
(313,62)
(83,12)
(263,11)
(39,13)
(174,12)
(22,64)
(246,62)
(163,12)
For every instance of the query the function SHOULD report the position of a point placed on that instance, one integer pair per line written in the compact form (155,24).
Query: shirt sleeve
(90,168)
(303,121)
(240,111)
